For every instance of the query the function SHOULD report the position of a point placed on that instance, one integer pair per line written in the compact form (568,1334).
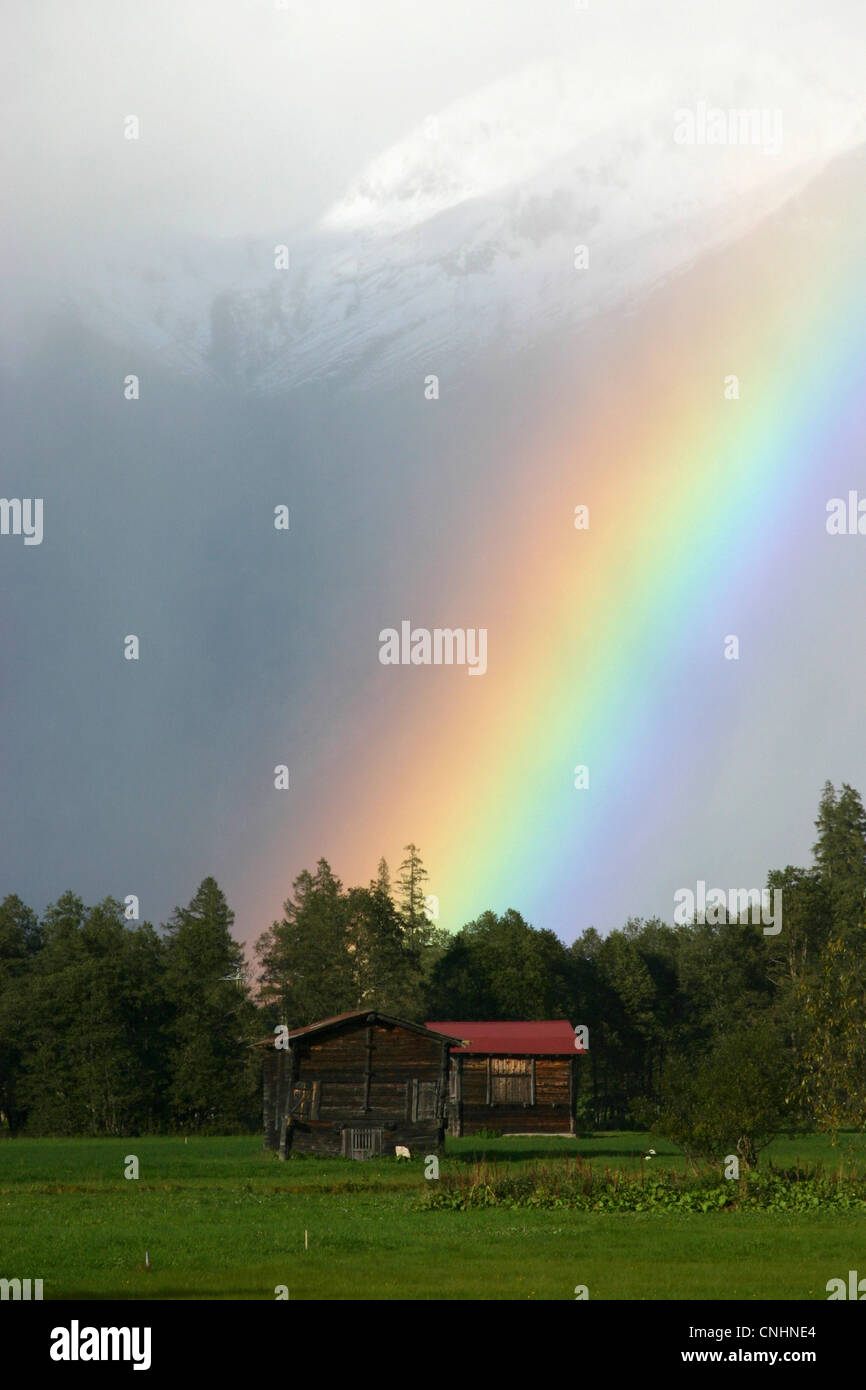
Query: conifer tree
(211,1014)
(307,972)
(840,855)
(20,939)
(413,892)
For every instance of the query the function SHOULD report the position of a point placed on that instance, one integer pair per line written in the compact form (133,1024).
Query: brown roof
(323,1024)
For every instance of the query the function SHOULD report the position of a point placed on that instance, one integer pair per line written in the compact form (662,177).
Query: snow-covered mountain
(461,238)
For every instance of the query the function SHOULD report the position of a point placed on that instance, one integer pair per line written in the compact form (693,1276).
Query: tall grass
(575,1184)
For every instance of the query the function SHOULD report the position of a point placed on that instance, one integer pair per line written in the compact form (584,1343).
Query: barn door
(425,1100)
(363,1142)
(512,1081)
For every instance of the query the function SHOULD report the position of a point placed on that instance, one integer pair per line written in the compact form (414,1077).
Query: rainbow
(591,634)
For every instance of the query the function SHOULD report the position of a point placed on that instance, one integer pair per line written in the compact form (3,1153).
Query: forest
(698,1030)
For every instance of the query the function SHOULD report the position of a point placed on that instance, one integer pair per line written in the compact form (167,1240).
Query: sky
(431,173)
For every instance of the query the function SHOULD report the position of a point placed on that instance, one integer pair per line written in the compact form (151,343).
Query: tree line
(711,1032)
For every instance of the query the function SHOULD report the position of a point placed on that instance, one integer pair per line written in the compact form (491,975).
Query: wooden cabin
(356,1085)
(515,1077)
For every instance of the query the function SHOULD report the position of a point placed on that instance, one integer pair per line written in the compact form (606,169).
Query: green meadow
(220,1219)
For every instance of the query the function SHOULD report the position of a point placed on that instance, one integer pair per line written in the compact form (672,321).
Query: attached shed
(515,1077)
(356,1085)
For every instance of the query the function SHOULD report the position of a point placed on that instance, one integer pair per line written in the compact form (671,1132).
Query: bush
(729,1101)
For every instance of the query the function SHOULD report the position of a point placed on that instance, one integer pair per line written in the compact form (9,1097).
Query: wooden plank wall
(366,1075)
(550,1112)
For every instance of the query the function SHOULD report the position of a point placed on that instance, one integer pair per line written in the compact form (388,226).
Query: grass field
(221,1219)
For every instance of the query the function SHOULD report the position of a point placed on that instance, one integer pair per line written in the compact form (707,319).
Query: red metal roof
(550,1036)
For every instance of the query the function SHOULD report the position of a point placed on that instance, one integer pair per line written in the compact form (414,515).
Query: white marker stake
(306,1240)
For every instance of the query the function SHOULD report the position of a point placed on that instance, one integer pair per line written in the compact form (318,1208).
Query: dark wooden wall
(486,1096)
(358,1076)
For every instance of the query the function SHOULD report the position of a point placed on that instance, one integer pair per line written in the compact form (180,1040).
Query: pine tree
(382,966)
(20,939)
(412,886)
(840,854)
(212,1015)
(306,964)
(93,1023)
(383,878)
